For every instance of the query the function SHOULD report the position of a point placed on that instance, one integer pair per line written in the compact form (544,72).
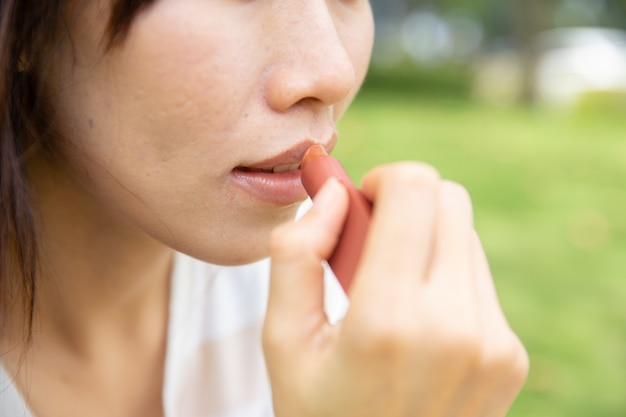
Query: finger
(451,275)
(451,282)
(508,386)
(504,362)
(451,286)
(492,388)
(399,242)
(295,306)
(498,338)
(452,262)
(490,312)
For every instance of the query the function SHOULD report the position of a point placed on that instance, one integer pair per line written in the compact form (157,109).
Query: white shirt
(214,365)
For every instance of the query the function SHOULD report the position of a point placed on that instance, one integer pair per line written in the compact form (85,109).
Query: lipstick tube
(317,166)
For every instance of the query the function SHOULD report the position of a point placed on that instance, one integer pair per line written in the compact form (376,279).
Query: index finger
(399,244)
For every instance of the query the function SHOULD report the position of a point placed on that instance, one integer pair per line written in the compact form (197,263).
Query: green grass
(549,191)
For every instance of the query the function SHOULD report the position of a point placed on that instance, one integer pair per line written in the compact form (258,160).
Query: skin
(150,135)
(424,335)
(156,127)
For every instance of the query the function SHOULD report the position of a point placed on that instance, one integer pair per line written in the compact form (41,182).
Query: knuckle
(519,374)
(459,338)
(455,191)
(278,236)
(454,196)
(521,365)
(285,241)
(272,339)
(511,360)
(414,174)
(285,231)
(300,240)
(384,339)
(456,200)
(471,352)
(269,339)
(461,345)
(499,363)
(419,174)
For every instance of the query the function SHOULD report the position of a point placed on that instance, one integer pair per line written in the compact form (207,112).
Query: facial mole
(90,121)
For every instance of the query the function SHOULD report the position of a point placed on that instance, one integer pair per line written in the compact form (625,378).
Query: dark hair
(28,28)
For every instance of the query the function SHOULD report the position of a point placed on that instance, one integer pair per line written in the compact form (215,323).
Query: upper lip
(290,157)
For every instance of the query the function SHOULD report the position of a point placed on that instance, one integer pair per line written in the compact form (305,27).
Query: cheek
(150,129)
(186,76)
(169,100)
(156,126)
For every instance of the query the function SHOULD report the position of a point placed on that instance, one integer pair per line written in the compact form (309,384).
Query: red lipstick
(317,166)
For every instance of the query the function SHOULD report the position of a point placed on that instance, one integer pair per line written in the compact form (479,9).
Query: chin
(244,242)
(228,250)
(237,258)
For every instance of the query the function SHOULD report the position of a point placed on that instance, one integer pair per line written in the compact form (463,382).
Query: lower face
(193,128)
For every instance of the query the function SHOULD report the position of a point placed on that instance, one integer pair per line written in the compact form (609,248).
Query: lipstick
(317,166)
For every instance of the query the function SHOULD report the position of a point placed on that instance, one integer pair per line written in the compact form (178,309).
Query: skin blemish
(90,121)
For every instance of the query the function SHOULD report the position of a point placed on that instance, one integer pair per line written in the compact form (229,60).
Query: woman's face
(180,128)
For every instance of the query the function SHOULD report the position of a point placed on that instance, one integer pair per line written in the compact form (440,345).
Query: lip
(291,156)
(281,188)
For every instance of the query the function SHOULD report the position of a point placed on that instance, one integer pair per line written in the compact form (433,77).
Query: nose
(310,63)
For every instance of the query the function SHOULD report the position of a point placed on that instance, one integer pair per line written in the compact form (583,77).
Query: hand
(424,335)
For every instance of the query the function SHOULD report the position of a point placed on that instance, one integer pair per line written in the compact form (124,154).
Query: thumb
(295,309)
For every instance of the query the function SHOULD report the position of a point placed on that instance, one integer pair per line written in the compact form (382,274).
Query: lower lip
(280,189)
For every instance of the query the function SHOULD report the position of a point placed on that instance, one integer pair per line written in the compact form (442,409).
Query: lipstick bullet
(317,166)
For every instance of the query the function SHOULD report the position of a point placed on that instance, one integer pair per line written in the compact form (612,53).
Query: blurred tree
(507,24)
(616,13)
(514,18)
(531,18)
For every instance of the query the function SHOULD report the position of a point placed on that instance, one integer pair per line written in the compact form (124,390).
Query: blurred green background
(546,171)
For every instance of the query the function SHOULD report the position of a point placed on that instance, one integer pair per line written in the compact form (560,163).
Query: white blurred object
(426,37)
(432,39)
(575,61)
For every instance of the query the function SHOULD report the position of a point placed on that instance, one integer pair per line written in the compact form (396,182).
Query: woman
(149,161)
